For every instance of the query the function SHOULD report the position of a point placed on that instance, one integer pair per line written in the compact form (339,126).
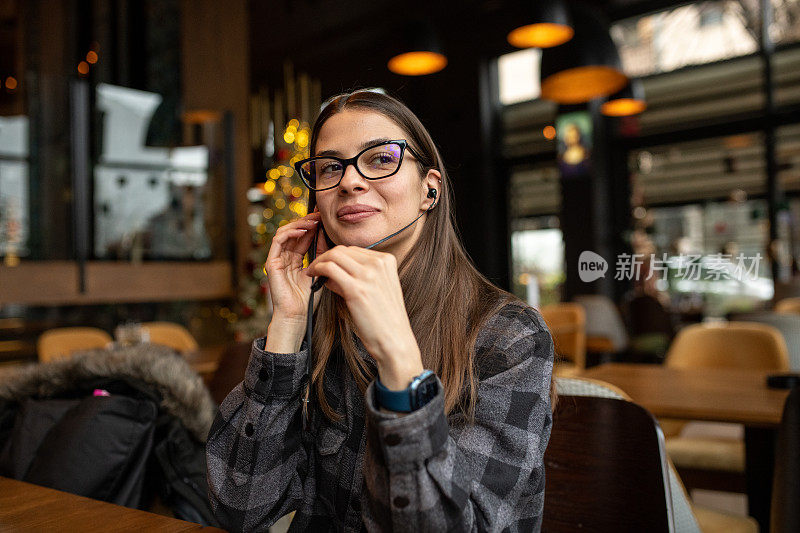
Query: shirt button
(263,374)
(248,429)
(400,502)
(392,439)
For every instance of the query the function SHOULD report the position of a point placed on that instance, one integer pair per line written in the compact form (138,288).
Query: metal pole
(774,192)
(81,175)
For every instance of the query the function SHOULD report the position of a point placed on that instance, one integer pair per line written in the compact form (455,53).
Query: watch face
(426,390)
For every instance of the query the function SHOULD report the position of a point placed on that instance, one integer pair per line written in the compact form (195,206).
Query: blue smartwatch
(422,390)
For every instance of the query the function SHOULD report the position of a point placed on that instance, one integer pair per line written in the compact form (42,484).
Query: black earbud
(432,194)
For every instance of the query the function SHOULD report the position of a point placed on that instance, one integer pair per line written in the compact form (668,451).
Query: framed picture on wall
(574,135)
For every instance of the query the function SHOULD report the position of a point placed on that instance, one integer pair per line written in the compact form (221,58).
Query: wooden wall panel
(39,282)
(56,282)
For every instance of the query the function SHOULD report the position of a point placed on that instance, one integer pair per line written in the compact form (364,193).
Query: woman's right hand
(289,287)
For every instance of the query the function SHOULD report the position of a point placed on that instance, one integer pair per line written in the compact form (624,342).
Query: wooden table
(205,360)
(26,507)
(719,395)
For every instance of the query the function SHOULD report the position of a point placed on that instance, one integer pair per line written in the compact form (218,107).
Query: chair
(567,324)
(788,305)
(787,324)
(688,518)
(605,330)
(230,371)
(729,345)
(707,454)
(172,335)
(62,342)
(603,455)
(785,511)
(650,327)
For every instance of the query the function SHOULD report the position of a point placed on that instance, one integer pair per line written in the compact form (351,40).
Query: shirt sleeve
(256,460)
(423,472)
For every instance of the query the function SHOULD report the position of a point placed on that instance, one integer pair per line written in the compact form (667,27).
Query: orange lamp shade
(201,116)
(580,84)
(541,35)
(623,107)
(417,63)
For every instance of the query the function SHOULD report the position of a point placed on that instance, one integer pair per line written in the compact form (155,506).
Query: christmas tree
(278,200)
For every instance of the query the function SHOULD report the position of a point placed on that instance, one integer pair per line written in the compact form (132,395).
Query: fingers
(344,257)
(374,258)
(338,278)
(290,237)
(322,242)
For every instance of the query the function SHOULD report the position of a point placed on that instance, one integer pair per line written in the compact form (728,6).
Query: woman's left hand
(367,280)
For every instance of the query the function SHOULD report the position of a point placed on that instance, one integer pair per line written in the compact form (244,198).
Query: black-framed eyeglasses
(376,162)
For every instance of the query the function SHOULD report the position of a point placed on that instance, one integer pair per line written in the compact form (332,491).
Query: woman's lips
(355,213)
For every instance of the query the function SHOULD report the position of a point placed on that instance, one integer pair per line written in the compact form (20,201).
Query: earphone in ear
(432,194)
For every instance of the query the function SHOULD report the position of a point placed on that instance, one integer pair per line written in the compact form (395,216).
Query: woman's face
(384,205)
(572,135)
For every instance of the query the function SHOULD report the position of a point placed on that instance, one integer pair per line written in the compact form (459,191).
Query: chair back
(567,324)
(646,315)
(788,325)
(171,335)
(788,305)
(230,370)
(62,342)
(603,454)
(682,513)
(785,511)
(729,345)
(603,320)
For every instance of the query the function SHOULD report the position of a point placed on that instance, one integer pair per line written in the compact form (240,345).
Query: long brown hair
(447,299)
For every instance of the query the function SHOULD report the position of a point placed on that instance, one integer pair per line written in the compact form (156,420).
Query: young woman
(429,406)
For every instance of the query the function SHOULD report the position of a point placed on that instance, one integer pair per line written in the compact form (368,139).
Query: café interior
(629,168)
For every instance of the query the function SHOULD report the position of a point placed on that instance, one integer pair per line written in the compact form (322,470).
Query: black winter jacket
(117,426)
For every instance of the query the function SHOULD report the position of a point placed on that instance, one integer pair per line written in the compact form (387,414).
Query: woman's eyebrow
(364,145)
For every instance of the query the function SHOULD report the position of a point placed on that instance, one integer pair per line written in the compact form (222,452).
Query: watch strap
(402,401)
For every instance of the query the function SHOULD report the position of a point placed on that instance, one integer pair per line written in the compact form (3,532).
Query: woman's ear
(433,180)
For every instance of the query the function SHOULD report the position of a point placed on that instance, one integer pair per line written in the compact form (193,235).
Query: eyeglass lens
(374,163)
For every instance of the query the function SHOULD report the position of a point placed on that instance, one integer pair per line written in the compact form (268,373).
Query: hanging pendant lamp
(627,102)
(585,67)
(548,24)
(419,52)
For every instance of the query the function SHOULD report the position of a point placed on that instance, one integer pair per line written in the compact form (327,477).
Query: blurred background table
(27,507)
(721,395)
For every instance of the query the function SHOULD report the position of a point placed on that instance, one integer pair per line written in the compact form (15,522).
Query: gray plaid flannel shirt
(378,471)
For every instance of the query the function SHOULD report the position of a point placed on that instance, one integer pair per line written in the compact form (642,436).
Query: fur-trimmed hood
(183,393)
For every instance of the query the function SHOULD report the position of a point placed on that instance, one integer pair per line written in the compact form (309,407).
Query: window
(519,76)
(699,209)
(712,16)
(715,256)
(537,249)
(149,201)
(705,169)
(785,26)
(693,34)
